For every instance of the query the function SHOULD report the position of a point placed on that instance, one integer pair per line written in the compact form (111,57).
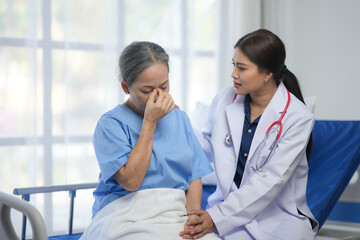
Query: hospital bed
(335,159)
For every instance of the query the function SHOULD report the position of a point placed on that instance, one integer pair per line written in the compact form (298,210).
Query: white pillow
(199,115)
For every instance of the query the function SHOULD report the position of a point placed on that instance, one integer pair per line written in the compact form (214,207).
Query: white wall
(322,39)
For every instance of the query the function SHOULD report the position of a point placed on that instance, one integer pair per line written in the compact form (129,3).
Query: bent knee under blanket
(147,214)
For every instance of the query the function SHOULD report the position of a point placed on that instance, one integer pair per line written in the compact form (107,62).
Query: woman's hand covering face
(158,105)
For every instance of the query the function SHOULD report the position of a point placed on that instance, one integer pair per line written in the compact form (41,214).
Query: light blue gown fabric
(177,157)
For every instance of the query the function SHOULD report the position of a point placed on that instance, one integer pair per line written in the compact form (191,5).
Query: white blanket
(147,214)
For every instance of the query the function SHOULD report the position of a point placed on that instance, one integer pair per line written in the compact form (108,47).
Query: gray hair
(138,56)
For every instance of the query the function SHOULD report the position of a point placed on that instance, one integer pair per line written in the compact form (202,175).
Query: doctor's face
(154,77)
(246,75)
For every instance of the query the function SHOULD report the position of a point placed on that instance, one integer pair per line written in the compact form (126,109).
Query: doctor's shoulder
(222,99)
(218,106)
(225,95)
(299,110)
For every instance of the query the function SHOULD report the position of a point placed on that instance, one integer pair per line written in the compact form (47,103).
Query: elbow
(129,184)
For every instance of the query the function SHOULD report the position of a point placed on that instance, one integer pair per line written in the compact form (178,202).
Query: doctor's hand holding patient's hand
(198,224)
(158,106)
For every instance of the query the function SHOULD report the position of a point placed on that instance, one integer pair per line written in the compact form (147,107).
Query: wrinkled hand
(158,106)
(188,228)
(198,224)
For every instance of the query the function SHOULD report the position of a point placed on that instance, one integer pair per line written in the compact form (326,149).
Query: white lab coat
(267,204)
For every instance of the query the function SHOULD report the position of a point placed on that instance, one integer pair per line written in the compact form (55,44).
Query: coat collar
(235,116)
(271,114)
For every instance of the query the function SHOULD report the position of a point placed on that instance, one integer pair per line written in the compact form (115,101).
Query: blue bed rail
(71,188)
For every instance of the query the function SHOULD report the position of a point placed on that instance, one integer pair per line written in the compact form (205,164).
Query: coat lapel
(235,117)
(271,114)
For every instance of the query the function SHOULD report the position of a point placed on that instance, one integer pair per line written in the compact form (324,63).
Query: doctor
(257,135)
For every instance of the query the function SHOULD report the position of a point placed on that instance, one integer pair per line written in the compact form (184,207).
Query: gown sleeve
(112,145)
(201,164)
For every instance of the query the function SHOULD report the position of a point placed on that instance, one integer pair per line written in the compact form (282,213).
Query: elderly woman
(150,160)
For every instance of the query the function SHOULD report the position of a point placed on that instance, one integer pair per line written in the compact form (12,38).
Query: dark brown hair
(267,51)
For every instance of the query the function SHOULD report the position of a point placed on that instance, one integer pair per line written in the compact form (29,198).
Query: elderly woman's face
(155,76)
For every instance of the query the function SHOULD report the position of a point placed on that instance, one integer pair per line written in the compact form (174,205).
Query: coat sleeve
(242,205)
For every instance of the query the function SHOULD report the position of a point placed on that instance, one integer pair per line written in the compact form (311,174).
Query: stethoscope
(228,137)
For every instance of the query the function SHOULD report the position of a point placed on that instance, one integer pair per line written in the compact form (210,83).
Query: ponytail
(292,84)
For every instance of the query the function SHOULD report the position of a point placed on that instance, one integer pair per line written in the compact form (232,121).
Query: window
(58,71)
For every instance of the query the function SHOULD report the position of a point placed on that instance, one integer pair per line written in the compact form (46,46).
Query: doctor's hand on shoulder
(198,224)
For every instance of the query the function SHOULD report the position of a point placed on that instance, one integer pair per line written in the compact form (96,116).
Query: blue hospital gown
(177,157)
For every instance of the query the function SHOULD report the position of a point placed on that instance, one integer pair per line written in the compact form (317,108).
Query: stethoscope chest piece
(228,139)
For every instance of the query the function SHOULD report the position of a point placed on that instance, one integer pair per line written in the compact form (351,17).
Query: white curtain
(58,74)
(234,18)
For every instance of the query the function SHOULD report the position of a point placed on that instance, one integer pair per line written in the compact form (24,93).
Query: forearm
(131,175)
(193,195)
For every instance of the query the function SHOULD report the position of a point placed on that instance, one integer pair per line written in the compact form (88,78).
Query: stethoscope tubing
(228,138)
